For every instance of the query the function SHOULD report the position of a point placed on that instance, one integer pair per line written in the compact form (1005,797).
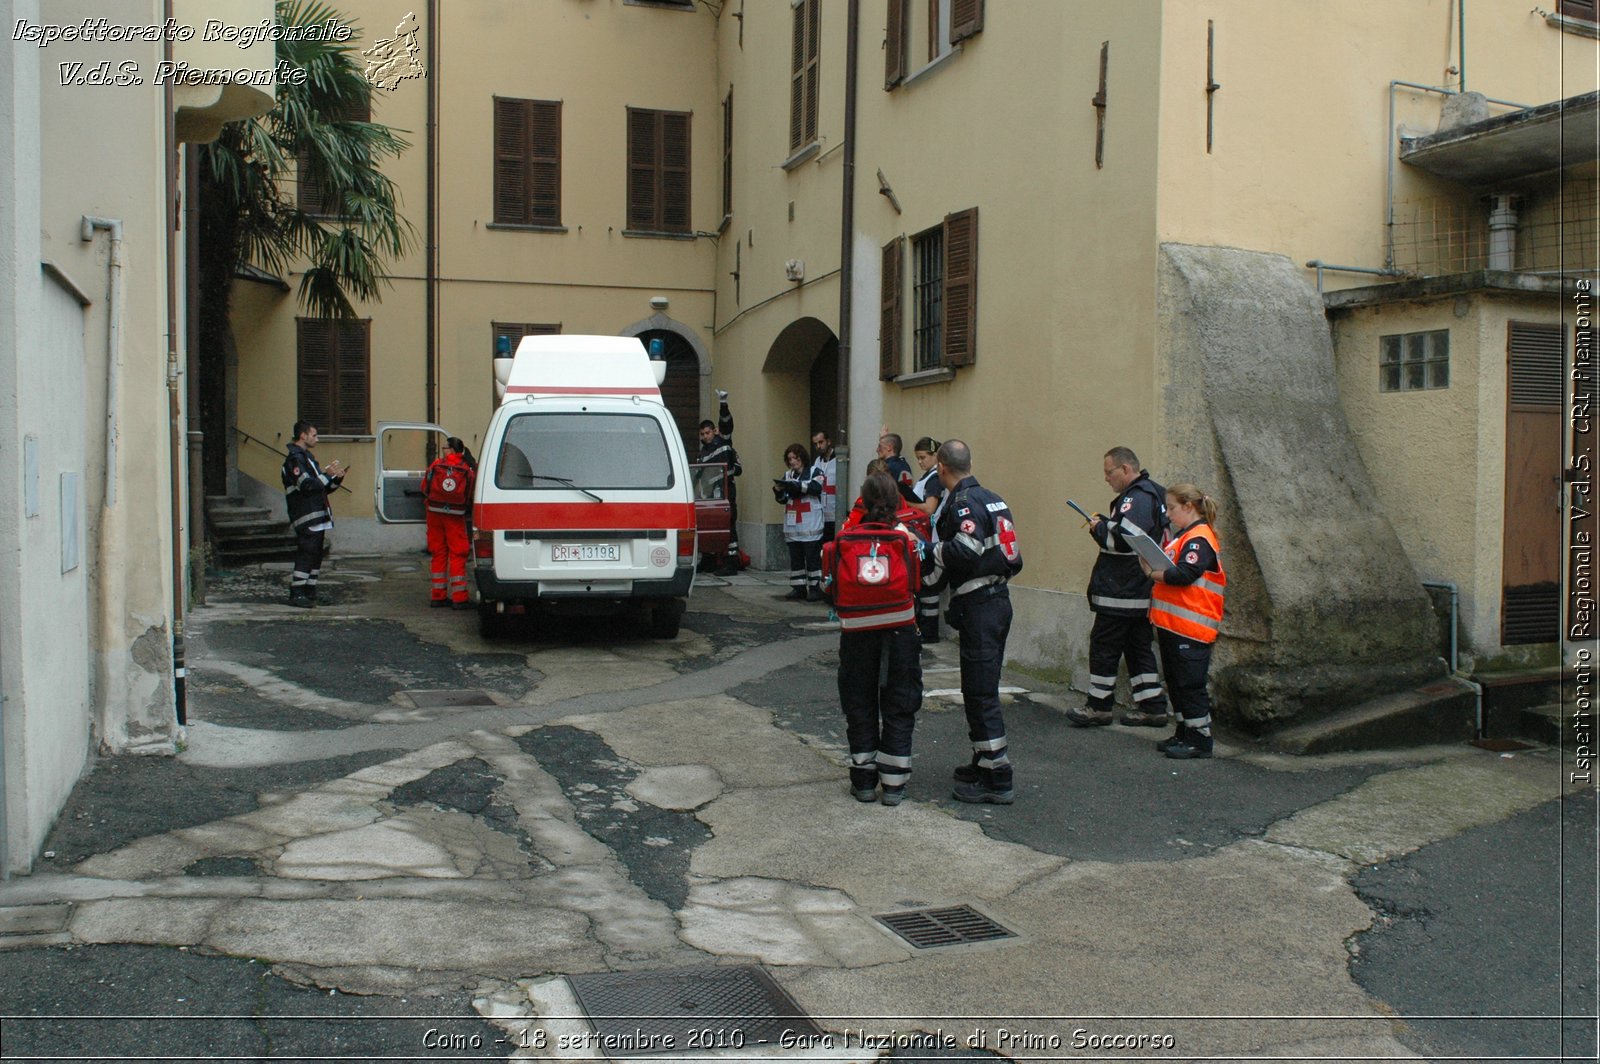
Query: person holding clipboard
(1119,596)
(1186,609)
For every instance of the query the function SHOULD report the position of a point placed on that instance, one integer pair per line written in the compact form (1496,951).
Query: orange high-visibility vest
(1195,610)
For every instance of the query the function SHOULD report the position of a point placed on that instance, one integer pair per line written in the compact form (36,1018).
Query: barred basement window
(1416,361)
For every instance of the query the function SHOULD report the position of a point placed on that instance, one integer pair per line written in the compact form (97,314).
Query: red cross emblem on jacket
(1008,539)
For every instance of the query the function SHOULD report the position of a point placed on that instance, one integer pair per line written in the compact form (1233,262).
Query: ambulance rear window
(592,450)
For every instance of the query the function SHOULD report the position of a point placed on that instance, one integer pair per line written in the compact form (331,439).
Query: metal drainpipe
(191,256)
(431,266)
(1455,664)
(174,402)
(1461,44)
(847,221)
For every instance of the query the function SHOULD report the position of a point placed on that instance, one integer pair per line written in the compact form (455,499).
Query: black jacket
(305,488)
(1117,585)
(977,540)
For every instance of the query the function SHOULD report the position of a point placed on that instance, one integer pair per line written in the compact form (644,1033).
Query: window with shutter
(334,375)
(309,194)
(966,19)
(527,162)
(658,171)
(890,317)
(803,73)
(1584,9)
(894,45)
(961,287)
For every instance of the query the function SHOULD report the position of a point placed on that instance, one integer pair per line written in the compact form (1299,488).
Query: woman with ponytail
(1186,610)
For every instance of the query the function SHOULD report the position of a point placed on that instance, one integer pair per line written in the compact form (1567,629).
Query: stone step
(255,518)
(224,500)
(1444,711)
(1518,688)
(227,559)
(238,513)
(1552,724)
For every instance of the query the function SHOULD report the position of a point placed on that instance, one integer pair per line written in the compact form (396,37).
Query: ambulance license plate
(585,552)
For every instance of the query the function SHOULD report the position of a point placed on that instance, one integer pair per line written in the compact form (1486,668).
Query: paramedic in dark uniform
(978,552)
(305,488)
(926,496)
(1119,596)
(716,448)
(889,444)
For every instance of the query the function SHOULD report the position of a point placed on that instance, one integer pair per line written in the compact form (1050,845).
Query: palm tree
(250,214)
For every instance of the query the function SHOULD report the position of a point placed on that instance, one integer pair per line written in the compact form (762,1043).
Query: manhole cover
(636,1014)
(925,928)
(1500,746)
(446,699)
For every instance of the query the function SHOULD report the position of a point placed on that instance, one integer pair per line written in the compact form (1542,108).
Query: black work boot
(968,773)
(993,786)
(1176,738)
(297,597)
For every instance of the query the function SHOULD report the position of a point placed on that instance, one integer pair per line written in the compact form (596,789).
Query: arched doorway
(808,351)
(680,392)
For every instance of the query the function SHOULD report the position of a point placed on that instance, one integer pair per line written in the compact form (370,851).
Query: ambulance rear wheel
(491,625)
(665,619)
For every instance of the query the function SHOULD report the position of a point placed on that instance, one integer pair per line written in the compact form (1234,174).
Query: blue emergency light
(658,349)
(502,346)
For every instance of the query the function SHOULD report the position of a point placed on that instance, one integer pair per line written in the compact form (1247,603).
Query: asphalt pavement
(389,838)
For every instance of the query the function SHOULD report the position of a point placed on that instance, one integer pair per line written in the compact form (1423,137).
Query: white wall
(44,673)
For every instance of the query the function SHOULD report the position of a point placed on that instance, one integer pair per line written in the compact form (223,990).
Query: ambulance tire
(491,624)
(666,617)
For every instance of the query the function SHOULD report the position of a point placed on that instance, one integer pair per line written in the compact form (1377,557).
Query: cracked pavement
(337,865)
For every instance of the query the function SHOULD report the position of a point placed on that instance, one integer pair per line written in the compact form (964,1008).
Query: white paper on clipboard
(1149,550)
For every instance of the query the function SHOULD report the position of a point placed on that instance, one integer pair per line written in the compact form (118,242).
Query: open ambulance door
(401,454)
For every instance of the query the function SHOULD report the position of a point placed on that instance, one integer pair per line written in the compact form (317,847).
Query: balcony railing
(1557,231)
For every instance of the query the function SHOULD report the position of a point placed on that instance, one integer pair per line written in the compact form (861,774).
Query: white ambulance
(584,500)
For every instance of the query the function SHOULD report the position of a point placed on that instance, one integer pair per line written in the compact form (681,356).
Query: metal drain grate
(447,699)
(687,1010)
(926,928)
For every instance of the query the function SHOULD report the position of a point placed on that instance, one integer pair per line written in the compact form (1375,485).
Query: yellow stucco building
(1047,228)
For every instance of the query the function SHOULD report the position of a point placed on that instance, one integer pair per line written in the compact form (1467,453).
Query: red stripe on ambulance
(517,516)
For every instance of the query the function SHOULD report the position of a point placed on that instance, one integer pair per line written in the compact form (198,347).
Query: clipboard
(1087,517)
(1149,550)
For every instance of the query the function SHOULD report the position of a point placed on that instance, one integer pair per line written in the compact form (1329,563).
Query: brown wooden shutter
(351,395)
(544,162)
(314,343)
(966,19)
(894,45)
(797,77)
(960,288)
(890,322)
(511,161)
(813,66)
(674,173)
(643,200)
(1584,9)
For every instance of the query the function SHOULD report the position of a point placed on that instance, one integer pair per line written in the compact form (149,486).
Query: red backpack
(870,574)
(449,483)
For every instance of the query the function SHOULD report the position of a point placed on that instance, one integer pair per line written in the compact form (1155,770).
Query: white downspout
(113,343)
